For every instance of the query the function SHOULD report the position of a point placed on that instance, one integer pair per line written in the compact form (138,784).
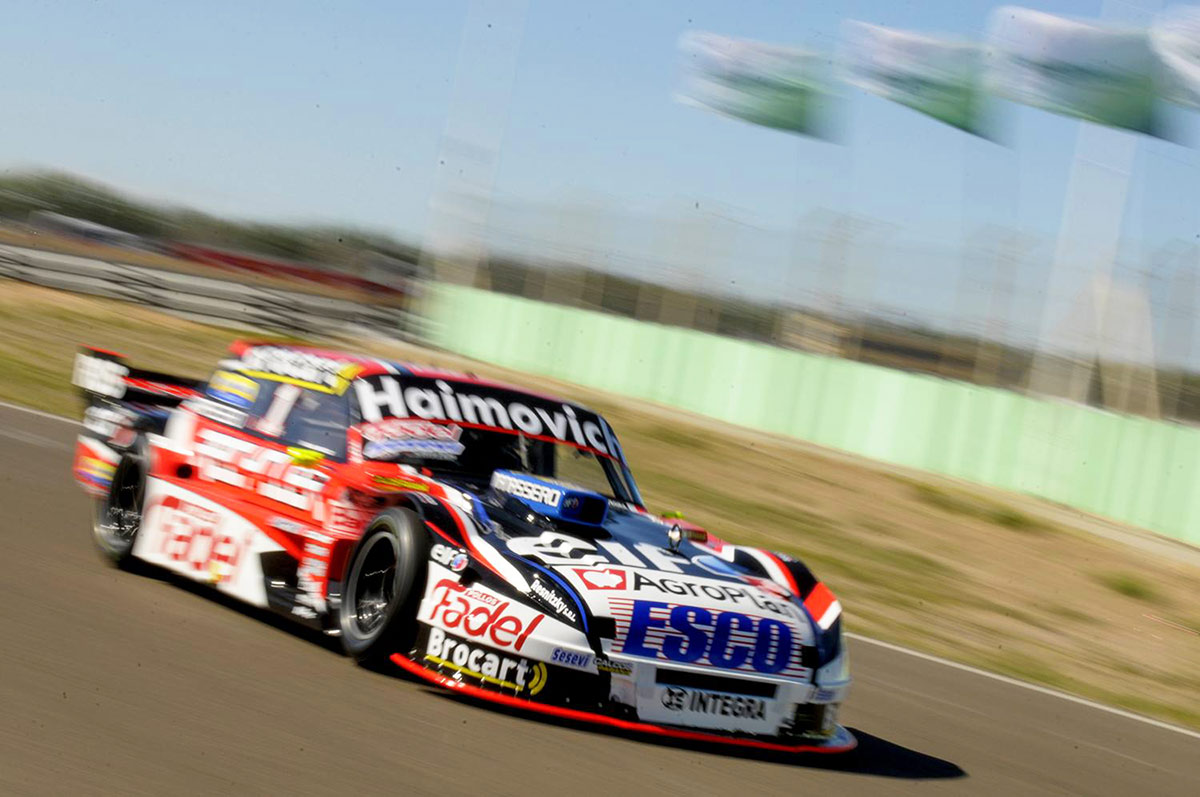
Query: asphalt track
(111,682)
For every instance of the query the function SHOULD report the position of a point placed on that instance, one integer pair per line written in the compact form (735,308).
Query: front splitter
(840,742)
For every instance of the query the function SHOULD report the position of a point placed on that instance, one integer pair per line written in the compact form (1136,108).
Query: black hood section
(507,518)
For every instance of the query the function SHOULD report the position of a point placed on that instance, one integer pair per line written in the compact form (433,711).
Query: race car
(489,539)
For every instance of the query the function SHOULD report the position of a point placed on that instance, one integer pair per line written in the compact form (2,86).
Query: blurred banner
(779,87)
(1175,37)
(1099,73)
(938,77)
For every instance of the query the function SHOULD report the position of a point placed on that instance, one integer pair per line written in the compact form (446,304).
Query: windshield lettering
(480,405)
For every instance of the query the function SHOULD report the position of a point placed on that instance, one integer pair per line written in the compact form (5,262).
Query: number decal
(271,423)
(103,377)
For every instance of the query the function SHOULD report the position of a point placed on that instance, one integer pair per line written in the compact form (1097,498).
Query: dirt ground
(1006,582)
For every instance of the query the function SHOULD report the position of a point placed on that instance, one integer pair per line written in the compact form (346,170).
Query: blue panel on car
(552,498)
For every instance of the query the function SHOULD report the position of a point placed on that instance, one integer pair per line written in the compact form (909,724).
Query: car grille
(714,683)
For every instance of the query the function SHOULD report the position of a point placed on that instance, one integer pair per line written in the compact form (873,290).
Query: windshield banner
(483,407)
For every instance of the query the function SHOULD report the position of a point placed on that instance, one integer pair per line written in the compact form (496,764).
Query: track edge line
(1045,690)
(8,405)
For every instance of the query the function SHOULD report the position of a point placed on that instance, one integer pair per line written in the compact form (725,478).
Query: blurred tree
(323,245)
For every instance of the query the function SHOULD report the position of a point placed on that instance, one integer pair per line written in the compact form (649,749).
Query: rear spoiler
(104,376)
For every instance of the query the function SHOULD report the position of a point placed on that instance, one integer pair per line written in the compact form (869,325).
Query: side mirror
(687,531)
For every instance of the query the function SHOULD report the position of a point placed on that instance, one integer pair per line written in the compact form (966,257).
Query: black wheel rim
(375,586)
(123,511)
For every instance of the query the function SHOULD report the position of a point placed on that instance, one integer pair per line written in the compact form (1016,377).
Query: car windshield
(474,454)
(284,412)
(469,429)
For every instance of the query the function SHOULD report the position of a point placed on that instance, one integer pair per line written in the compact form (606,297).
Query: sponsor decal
(400,483)
(602,578)
(553,548)
(311,577)
(570,658)
(345,517)
(301,366)
(245,464)
(522,488)
(216,411)
(95,470)
(191,535)
(393,437)
(424,449)
(693,635)
(452,558)
(713,703)
(647,568)
(103,421)
(481,405)
(287,525)
(615,667)
(480,615)
(489,667)
(635,571)
(274,419)
(100,376)
(553,599)
(723,593)
(234,389)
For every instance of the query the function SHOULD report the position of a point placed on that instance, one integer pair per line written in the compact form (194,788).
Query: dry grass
(997,580)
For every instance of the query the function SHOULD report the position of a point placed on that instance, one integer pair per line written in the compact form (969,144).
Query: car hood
(687,606)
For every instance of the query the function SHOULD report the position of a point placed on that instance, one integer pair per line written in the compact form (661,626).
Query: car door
(291,436)
(262,451)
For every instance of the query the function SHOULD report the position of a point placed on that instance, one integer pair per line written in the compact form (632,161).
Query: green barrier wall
(1128,468)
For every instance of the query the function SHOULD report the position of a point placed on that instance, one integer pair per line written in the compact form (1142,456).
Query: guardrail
(1132,469)
(266,308)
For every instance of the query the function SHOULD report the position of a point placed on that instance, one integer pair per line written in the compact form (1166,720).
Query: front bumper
(658,702)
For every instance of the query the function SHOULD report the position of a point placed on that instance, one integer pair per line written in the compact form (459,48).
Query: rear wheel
(118,516)
(380,595)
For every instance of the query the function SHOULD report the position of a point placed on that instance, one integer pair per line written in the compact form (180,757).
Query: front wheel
(379,597)
(118,516)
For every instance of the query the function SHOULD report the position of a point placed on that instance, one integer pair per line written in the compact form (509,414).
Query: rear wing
(104,376)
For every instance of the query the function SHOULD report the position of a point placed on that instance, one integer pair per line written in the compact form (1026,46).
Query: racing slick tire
(377,615)
(118,515)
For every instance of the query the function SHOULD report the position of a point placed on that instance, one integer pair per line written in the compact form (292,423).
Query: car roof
(374,366)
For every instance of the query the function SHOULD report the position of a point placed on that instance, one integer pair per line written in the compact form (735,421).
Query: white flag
(770,85)
(1101,73)
(1175,37)
(936,76)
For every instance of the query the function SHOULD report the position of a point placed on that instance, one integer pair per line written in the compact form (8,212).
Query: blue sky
(335,111)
